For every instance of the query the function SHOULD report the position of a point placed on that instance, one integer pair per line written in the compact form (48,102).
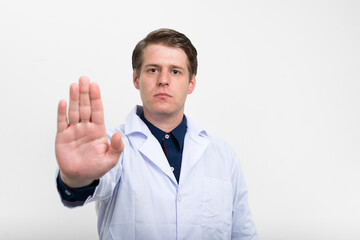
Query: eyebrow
(151,65)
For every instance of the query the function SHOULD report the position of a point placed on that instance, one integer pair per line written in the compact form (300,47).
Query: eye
(153,70)
(175,72)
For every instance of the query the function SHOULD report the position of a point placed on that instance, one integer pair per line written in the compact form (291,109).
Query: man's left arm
(243,226)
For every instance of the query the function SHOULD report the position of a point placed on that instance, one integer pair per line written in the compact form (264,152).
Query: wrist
(75,182)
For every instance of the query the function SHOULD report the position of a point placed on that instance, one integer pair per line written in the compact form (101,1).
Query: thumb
(116,146)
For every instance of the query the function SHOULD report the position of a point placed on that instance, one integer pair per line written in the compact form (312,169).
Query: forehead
(164,55)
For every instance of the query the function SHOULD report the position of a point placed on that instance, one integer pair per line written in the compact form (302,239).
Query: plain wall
(279,80)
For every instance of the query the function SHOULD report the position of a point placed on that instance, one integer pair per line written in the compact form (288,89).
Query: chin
(163,110)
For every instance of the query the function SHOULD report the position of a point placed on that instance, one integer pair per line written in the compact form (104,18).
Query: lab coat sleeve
(107,183)
(243,226)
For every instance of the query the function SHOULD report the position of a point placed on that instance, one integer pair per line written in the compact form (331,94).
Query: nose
(163,79)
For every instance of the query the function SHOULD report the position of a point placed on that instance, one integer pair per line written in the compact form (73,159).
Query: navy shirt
(172,144)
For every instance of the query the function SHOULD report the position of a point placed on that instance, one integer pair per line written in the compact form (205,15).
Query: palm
(82,149)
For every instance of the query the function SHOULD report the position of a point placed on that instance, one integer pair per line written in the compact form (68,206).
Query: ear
(136,79)
(192,84)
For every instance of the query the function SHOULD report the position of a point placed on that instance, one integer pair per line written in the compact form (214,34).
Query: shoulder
(218,141)
(222,146)
(215,142)
(111,131)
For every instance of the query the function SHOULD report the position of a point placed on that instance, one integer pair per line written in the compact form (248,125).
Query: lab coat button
(179,198)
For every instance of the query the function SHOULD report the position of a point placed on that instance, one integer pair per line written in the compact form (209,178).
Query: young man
(161,176)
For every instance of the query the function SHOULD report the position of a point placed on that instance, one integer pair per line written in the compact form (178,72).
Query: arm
(74,197)
(243,227)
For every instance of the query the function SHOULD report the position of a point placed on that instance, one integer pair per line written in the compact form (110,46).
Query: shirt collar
(178,132)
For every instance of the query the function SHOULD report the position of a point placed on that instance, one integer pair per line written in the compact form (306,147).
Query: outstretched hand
(82,149)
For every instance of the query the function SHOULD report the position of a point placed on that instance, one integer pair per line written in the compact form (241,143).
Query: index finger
(62,122)
(97,111)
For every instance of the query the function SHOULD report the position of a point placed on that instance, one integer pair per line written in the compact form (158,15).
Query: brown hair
(167,37)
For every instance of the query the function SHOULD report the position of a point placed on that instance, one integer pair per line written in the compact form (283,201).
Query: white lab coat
(141,199)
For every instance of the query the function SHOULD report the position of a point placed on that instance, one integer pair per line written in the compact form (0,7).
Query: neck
(164,122)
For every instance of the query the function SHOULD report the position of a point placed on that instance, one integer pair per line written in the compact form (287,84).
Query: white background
(279,80)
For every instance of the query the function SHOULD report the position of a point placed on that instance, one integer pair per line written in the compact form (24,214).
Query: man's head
(169,38)
(164,65)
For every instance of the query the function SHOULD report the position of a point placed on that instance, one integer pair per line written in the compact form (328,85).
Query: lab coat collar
(133,123)
(195,143)
(143,140)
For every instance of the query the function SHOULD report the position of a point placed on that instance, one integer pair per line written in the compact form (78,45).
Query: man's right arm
(74,197)
(82,149)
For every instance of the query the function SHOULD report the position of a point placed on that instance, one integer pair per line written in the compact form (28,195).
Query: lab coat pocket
(216,204)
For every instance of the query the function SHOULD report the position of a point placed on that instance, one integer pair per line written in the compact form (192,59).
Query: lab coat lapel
(195,143)
(146,143)
(153,152)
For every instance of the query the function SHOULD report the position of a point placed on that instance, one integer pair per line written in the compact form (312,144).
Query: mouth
(162,95)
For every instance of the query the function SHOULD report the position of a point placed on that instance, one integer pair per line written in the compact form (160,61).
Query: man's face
(163,81)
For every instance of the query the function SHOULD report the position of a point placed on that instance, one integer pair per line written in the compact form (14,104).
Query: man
(161,176)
